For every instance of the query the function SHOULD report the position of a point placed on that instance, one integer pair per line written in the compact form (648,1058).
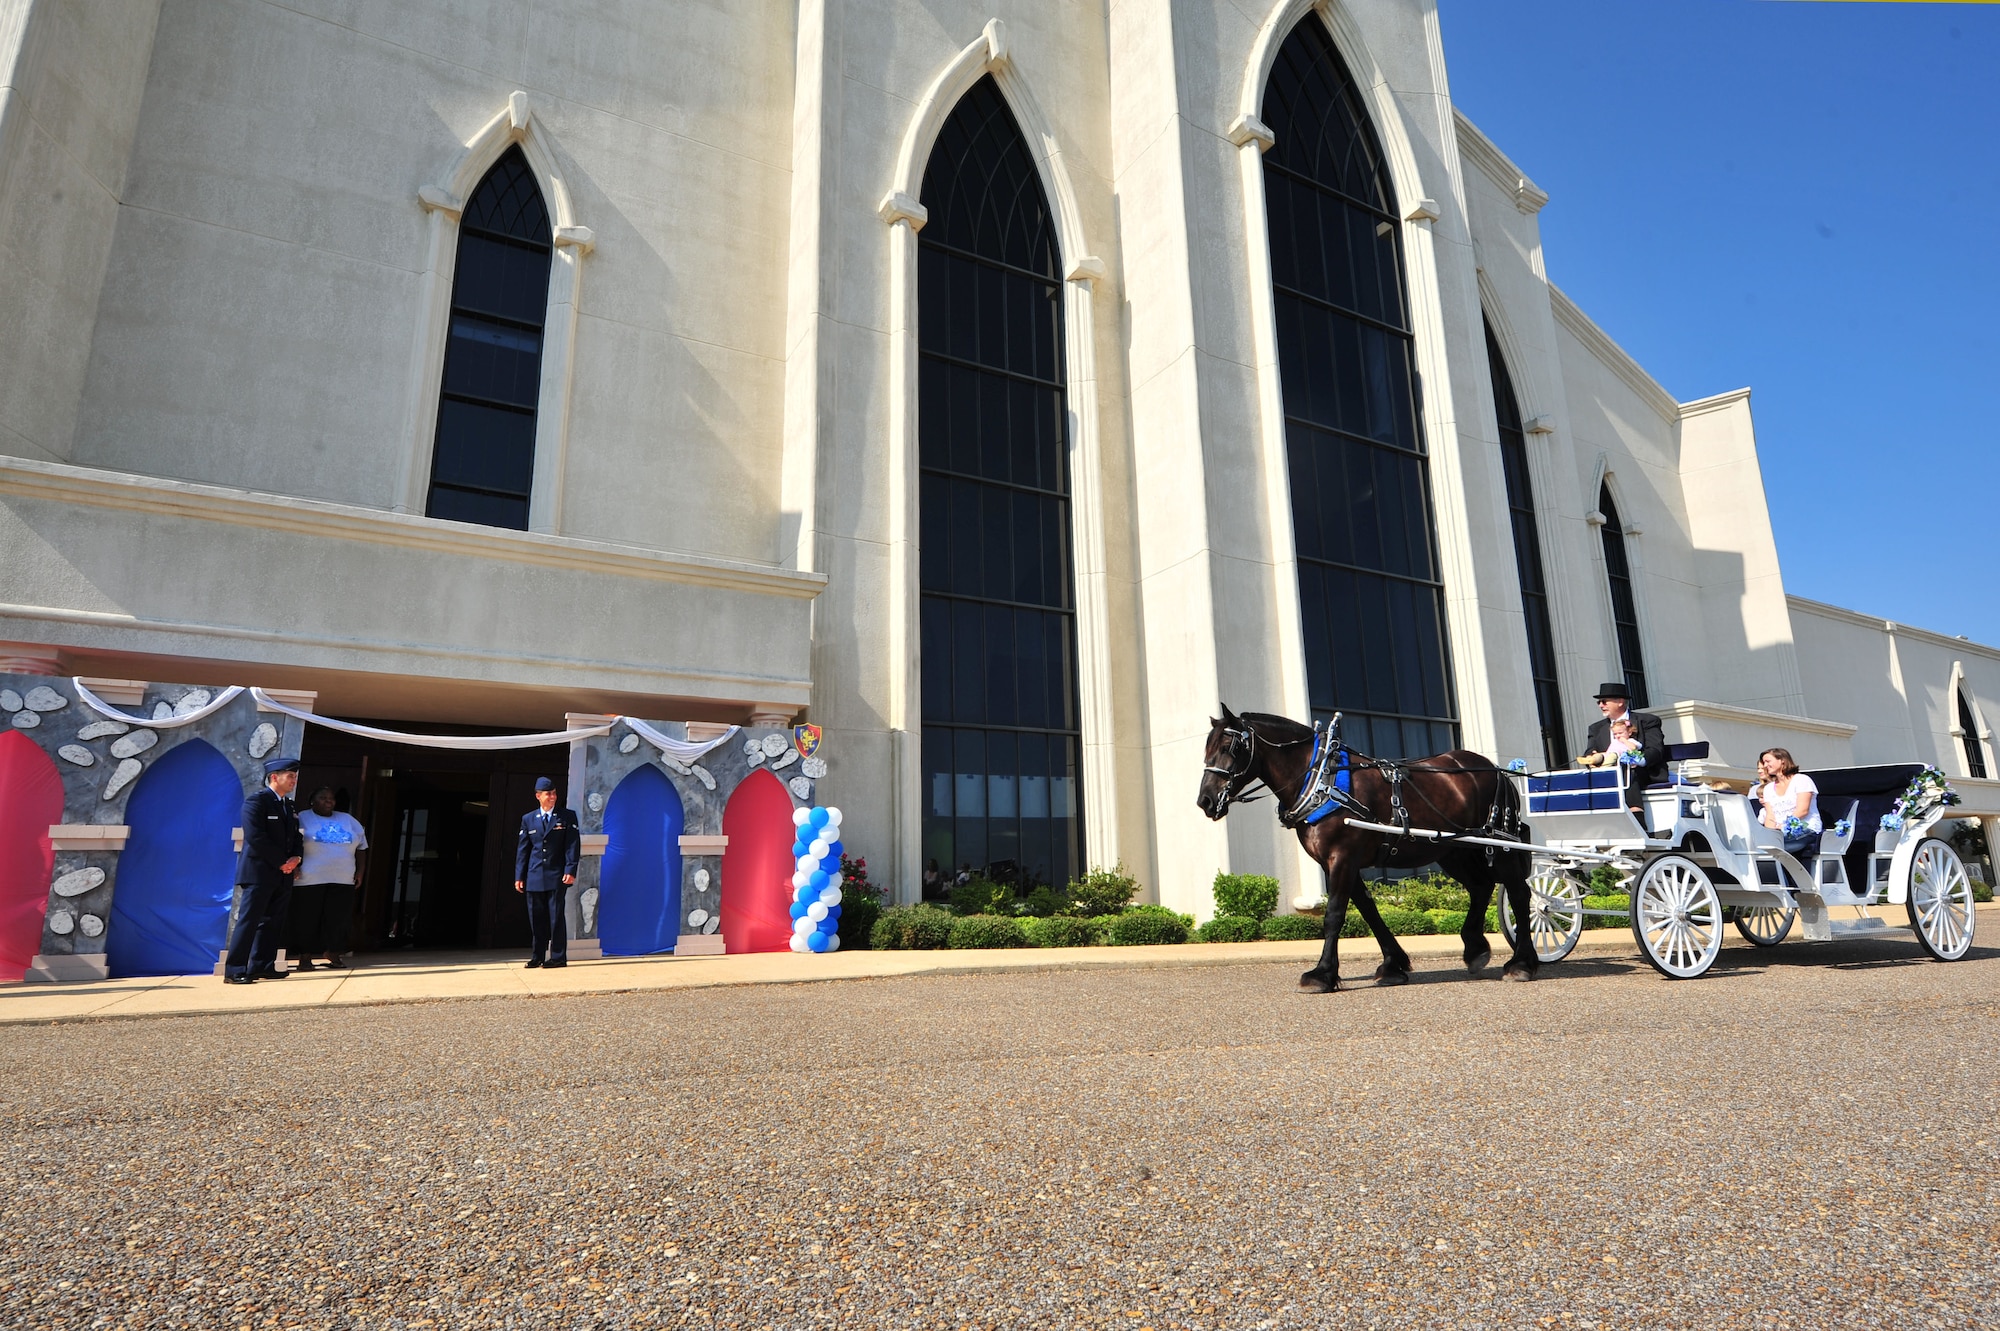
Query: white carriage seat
(1730,817)
(1829,866)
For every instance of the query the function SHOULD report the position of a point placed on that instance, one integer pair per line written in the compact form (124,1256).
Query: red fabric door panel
(31,800)
(757,867)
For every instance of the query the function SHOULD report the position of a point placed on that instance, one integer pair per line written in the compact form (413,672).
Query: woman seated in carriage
(1790,800)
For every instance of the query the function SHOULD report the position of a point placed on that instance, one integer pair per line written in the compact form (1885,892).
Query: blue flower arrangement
(1632,758)
(1927,792)
(1842,827)
(1892,821)
(1796,826)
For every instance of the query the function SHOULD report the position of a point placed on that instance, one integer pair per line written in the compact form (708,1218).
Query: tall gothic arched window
(483,462)
(1370,598)
(1000,728)
(1624,610)
(1975,750)
(1528,557)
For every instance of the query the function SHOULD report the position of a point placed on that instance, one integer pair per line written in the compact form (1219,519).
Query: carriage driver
(1614,702)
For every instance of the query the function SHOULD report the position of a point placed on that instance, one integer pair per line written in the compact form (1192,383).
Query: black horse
(1458,792)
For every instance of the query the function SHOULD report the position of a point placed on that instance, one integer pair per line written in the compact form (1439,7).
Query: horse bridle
(1234,789)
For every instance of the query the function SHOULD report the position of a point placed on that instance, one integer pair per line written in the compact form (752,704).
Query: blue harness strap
(1343,781)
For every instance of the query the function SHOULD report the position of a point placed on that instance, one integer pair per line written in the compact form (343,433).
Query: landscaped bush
(1101,892)
(911,929)
(860,904)
(1228,929)
(1250,895)
(1146,926)
(1980,891)
(1062,931)
(1402,922)
(1043,902)
(1432,891)
(980,896)
(1607,880)
(1447,921)
(984,931)
(1295,928)
(1353,926)
(1610,901)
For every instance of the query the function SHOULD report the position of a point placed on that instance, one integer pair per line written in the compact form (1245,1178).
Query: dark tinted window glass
(1371,604)
(1624,610)
(483,461)
(1001,748)
(1528,558)
(1975,749)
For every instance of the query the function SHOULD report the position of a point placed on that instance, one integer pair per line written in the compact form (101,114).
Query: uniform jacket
(270,837)
(542,858)
(1652,743)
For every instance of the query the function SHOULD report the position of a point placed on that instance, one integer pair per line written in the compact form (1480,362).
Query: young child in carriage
(1624,740)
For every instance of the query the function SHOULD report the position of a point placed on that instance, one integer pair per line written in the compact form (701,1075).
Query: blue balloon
(799,848)
(798,909)
(833,853)
(816,941)
(807,894)
(818,879)
(818,818)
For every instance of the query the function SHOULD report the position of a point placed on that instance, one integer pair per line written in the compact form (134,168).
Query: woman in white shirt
(1787,793)
(323,889)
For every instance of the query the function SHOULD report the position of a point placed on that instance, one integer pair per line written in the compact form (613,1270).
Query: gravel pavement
(1805,1138)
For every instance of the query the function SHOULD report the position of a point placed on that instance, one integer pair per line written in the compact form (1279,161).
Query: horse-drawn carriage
(1699,858)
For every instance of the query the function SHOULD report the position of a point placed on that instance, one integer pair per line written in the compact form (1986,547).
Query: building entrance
(441,829)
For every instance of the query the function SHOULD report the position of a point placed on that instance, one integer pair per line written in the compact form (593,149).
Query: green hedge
(857,922)
(1250,895)
(1294,928)
(1228,929)
(986,931)
(1146,926)
(1063,931)
(910,928)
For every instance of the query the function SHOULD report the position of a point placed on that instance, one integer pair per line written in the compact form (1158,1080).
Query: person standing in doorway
(545,861)
(272,851)
(336,850)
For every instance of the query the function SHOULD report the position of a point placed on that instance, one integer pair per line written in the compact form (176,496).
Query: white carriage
(1699,858)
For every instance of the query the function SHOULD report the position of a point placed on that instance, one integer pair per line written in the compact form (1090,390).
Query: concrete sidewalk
(411,978)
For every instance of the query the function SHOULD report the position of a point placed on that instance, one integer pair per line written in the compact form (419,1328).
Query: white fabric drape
(221,701)
(680,750)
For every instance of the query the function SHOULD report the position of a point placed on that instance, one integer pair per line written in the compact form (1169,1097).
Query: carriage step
(1867,925)
(1813,921)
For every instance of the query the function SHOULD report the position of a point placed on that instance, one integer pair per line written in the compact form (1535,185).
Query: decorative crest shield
(806,740)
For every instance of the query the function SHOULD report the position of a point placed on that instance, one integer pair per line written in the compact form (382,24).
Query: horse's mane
(1288,728)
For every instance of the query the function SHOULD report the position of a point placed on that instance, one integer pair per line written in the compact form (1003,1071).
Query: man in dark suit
(272,851)
(1614,701)
(544,867)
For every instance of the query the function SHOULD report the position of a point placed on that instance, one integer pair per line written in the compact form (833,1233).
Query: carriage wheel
(1766,926)
(1940,901)
(1676,917)
(1555,914)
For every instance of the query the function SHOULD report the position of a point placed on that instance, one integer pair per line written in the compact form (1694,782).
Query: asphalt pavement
(1806,1137)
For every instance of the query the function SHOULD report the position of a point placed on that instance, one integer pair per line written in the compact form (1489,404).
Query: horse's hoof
(1520,974)
(1477,961)
(1385,977)
(1310,983)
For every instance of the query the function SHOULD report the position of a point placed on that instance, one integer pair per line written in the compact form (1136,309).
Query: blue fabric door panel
(170,906)
(639,894)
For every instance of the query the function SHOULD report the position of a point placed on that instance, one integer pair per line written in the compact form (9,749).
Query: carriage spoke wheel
(1555,914)
(1766,926)
(1676,917)
(1940,901)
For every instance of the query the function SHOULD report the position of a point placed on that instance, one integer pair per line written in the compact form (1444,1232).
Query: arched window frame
(444,201)
(1968,725)
(1420,212)
(988,54)
(1630,530)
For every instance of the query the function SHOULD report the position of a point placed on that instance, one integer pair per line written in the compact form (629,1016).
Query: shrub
(1043,902)
(1353,926)
(1296,928)
(1447,921)
(910,928)
(983,931)
(1101,892)
(1980,891)
(1612,901)
(1607,879)
(1402,922)
(858,916)
(980,896)
(1251,895)
(1061,931)
(1228,929)
(1433,891)
(1146,926)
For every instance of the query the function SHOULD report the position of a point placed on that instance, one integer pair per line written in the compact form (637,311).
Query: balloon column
(816,882)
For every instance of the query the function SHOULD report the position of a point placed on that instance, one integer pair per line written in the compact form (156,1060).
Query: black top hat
(543,783)
(1613,691)
(273,766)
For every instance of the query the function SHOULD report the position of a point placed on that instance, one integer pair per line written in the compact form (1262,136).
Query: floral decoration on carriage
(1927,792)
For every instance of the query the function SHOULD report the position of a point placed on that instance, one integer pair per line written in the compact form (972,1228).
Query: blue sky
(1799,197)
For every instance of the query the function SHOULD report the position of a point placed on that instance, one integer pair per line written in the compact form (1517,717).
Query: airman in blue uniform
(545,859)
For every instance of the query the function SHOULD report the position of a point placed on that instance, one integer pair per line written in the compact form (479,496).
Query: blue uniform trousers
(546,925)
(260,925)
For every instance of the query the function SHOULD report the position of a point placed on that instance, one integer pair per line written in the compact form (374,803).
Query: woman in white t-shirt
(323,889)
(1787,793)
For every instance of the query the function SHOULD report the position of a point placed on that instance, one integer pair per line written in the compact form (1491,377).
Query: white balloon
(799,943)
(833,817)
(834,880)
(833,942)
(802,925)
(817,849)
(829,896)
(806,863)
(800,817)
(816,911)
(801,878)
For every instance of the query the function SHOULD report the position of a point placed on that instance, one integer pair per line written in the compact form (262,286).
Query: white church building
(999,385)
